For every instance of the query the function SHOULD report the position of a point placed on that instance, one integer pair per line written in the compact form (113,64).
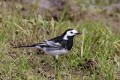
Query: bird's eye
(71,32)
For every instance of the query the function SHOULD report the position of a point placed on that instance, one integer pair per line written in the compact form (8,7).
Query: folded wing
(48,44)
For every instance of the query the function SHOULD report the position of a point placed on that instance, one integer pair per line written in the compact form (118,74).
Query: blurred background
(72,9)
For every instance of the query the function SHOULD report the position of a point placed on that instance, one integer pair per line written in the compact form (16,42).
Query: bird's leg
(56,58)
(56,66)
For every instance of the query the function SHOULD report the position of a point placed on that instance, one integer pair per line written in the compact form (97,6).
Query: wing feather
(49,44)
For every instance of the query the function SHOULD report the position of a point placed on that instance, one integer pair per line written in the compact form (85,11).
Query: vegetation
(94,56)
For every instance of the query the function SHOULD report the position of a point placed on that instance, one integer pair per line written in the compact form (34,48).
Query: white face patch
(70,33)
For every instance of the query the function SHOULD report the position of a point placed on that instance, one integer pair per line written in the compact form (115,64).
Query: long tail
(31,46)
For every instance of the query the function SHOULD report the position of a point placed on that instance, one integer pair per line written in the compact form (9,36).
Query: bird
(56,46)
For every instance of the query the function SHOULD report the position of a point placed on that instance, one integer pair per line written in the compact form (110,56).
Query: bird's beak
(78,33)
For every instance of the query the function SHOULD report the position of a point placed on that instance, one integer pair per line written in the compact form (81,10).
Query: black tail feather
(32,46)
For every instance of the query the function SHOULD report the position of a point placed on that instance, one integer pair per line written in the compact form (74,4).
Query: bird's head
(70,33)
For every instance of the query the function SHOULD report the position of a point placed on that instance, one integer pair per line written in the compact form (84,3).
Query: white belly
(56,52)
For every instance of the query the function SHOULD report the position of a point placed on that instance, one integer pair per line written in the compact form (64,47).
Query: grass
(92,57)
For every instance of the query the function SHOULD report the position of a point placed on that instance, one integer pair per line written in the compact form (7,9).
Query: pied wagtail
(56,46)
